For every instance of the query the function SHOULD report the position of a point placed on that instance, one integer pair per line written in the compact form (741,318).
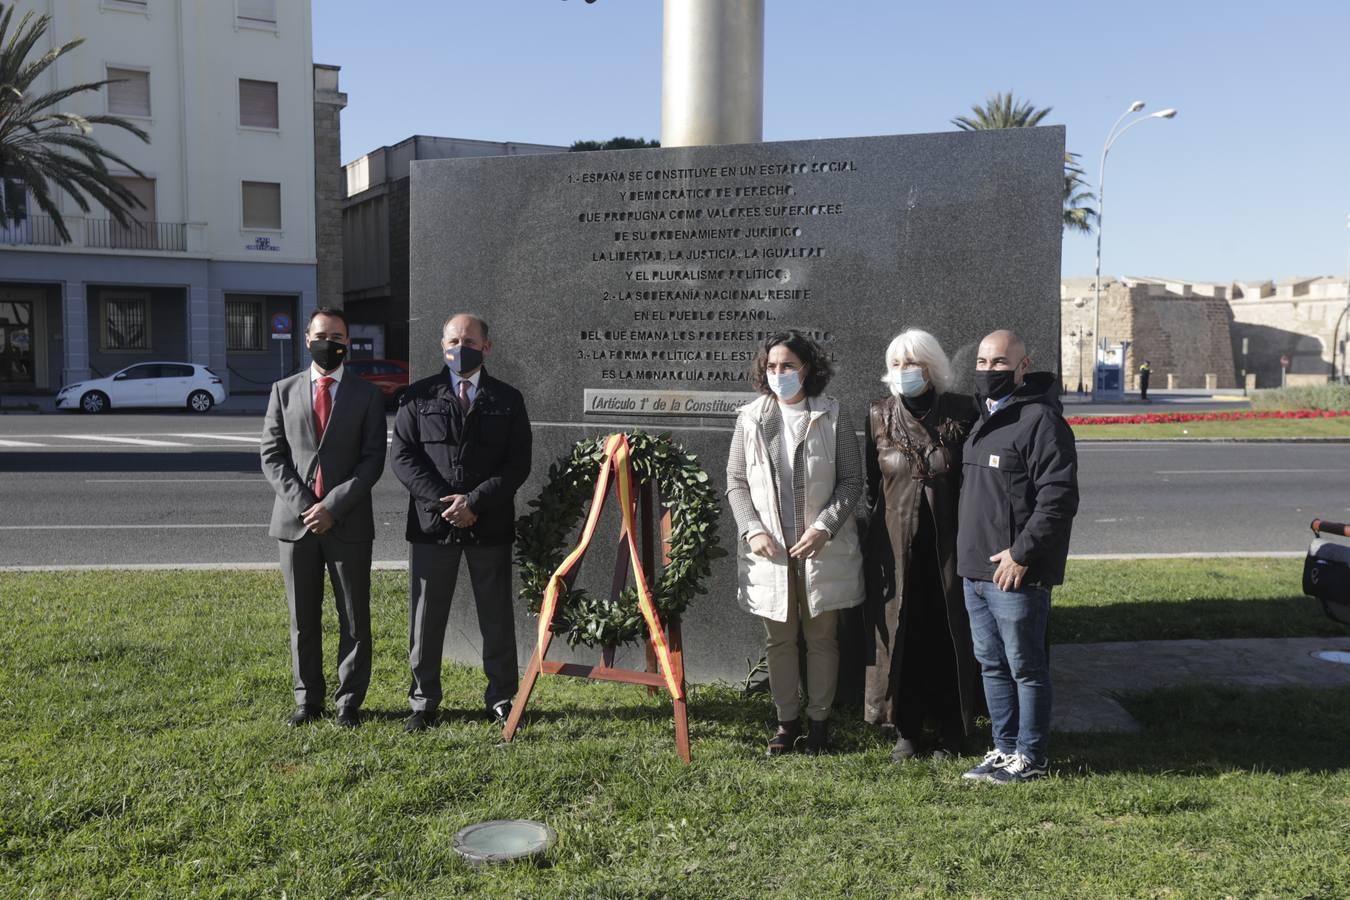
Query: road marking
(76,448)
(220,437)
(1245,471)
(20,444)
(139,442)
(116,527)
(175,480)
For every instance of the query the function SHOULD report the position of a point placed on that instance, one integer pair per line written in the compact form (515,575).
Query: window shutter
(258,104)
(129,96)
(262,204)
(258,11)
(144,190)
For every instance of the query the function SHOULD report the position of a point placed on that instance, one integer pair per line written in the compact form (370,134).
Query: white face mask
(786,385)
(907,382)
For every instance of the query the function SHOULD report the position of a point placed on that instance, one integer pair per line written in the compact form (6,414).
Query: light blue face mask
(908,382)
(786,385)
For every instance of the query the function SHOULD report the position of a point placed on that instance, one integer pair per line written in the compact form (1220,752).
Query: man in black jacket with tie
(461,447)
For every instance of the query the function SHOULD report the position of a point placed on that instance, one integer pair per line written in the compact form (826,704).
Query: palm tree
(43,148)
(1005,111)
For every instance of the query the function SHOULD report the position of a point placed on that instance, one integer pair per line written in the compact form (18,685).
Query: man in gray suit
(323,447)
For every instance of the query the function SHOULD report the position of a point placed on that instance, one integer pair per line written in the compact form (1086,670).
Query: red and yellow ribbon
(617,460)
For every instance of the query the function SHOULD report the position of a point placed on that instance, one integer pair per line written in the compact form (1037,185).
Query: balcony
(39,231)
(161,236)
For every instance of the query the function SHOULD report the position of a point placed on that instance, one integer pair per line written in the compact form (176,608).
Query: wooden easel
(605,671)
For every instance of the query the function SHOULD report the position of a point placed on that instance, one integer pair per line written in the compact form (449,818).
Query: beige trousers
(822,655)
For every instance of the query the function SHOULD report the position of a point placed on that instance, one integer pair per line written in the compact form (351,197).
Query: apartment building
(221,266)
(375,234)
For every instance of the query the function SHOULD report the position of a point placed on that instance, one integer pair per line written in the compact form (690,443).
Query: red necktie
(323,407)
(464,394)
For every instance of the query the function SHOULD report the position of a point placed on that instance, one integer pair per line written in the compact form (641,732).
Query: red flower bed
(1164,418)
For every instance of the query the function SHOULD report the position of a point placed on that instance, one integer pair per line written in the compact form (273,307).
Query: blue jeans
(1008,629)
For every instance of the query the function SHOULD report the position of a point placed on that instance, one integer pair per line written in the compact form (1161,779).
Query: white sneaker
(1019,769)
(992,762)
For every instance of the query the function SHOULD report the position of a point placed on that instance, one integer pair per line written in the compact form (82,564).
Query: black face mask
(328,354)
(463,359)
(994,384)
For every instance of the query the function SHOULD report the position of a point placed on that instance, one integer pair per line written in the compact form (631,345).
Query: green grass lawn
(142,754)
(1168,599)
(1253,428)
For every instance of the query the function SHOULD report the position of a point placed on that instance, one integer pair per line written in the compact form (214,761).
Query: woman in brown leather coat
(921,667)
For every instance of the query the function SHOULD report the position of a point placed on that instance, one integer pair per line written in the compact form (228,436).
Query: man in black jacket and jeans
(461,447)
(1019,495)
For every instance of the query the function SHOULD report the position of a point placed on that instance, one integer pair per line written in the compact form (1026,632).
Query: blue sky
(1251,180)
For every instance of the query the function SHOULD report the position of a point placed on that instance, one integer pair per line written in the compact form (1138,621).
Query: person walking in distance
(1145,373)
(323,447)
(1019,494)
(462,448)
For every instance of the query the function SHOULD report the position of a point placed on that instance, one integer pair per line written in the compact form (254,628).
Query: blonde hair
(923,348)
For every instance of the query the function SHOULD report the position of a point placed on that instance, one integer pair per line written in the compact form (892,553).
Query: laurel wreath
(542,538)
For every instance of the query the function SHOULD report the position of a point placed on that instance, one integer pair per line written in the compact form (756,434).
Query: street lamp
(1111,137)
(1080,335)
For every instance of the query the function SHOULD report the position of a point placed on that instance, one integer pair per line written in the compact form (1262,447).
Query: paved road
(184,489)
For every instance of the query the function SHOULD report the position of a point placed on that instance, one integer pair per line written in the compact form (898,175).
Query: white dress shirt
(455,379)
(315,373)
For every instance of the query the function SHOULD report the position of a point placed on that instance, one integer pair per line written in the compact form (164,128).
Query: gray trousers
(432,572)
(303,563)
(784,659)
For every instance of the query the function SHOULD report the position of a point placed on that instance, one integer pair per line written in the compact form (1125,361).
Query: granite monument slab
(630,289)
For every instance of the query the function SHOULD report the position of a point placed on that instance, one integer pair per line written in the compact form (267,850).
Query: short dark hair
(818,368)
(332,311)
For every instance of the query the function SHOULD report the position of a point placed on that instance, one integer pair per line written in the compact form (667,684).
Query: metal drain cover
(504,840)
(1341,657)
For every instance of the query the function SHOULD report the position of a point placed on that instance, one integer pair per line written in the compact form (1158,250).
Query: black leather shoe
(499,712)
(348,718)
(303,715)
(817,737)
(784,739)
(420,720)
(951,738)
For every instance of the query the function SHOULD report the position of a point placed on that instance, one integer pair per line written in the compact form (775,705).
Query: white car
(177,385)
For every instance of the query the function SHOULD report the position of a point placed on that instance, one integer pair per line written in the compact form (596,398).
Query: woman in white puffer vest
(794,474)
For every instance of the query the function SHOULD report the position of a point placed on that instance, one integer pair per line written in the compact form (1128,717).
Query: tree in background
(615,143)
(1005,111)
(42,148)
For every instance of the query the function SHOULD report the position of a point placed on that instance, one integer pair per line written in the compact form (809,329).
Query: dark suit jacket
(485,455)
(351,454)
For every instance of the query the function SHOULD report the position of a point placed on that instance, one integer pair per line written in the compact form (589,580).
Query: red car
(389,375)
